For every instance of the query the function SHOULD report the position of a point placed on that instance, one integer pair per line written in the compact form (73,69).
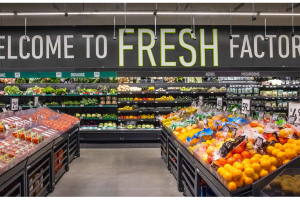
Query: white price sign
(200,100)
(246,105)
(294,110)
(219,103)
(36,100)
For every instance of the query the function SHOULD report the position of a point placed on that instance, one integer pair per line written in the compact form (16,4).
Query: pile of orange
(249,170)
(286,152)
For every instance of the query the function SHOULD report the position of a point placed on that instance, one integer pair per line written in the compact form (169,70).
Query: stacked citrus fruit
(250,169)
(286,152)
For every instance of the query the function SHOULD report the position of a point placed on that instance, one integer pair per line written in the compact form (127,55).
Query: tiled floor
(119,173)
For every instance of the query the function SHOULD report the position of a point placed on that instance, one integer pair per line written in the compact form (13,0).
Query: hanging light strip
(6,13)
(279,14)
(136,13)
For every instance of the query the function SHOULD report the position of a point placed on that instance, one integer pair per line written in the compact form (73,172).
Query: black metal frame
(44,157)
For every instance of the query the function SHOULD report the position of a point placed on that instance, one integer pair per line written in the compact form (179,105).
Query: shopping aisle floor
(119,173)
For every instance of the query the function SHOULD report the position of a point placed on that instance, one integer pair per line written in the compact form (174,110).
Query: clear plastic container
(286,184)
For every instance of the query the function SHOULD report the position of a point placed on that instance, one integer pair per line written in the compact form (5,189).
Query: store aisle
(118,172)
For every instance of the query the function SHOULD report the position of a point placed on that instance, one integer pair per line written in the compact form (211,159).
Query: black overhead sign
(54,47)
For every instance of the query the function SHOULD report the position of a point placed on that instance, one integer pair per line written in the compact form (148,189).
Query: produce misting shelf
(99,118)
(134,102)
(138,120)
(120,135)
(42,161)
(186,159)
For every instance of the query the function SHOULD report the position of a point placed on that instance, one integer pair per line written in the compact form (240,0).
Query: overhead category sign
(93,46)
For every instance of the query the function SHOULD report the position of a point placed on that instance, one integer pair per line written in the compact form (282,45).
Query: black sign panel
(246,49)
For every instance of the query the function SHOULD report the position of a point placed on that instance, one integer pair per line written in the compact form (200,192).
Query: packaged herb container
(280,93)
(274,93)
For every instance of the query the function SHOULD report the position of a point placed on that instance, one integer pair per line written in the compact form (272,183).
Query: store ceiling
(148,20)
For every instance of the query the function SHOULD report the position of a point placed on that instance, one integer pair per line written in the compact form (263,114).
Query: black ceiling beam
(290,8)
(238,7)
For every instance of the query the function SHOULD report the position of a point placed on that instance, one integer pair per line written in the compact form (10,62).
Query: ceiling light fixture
(207,13)
(279,14)
(141,13)
(41,13)
(6,13)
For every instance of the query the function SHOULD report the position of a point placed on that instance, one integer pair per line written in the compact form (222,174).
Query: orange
(237,156)
(252,152)
(246,154)
(277,145)
(265,164)
(227,175)
(290,153)
(240,182)
(289,146)
(297,149)
(227,167)
(263,173)
(273,161)
(275,151)
(281,156)
(237,174)
(278,162)
(265,157)
(245,161)
(297,142)
(258,156)
(291,140)
(223,172)
(256,167)
(281,148)
(247,165)
(269,149)
(231,160)
(223,161)
(249,171)
(248,180)
(286,161)
(220,170)
(232,186)
(273,168)
(238,165)
(255,177)
(239,149)
(254,160)
(232,169)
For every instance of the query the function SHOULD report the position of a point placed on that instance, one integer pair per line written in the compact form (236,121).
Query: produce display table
(38,173)
(190,173)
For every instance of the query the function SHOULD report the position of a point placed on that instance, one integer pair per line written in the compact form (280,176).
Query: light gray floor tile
(135,172)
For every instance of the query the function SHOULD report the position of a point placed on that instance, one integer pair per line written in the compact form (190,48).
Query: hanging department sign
(92,46)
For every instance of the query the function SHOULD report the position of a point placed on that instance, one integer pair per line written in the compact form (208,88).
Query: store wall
(143,20)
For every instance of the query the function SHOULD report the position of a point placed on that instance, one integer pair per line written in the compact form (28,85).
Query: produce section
(142,98)
(236,151)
